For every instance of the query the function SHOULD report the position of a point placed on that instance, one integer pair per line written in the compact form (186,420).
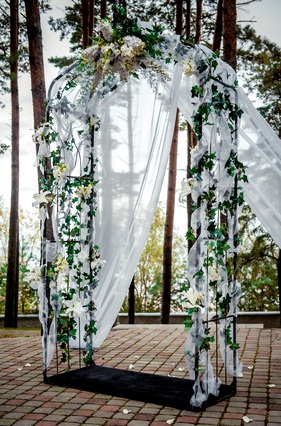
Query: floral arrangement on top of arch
(67,160)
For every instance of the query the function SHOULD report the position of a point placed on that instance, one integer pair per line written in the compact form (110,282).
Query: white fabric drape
(133,147)
(260,151)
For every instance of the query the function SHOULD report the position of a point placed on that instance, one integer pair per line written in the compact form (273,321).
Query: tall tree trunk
(230,33)
(170,209)
(168,230)
(187,19)
(35,48)
(198,21)
(88,20)
(218,28)
(103,8)
(37,75)
(11,306)
(131,302)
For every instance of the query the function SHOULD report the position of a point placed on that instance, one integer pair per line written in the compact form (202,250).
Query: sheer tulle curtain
(260,151)
(133,147)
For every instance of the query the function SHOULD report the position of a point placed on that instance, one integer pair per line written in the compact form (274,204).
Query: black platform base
(153,388)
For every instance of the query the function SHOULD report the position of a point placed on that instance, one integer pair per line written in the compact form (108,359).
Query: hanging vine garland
(217,197)
(67,158)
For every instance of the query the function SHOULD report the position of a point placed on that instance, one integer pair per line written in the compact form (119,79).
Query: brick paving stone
(13,415)
(186,420)
(7,422)
(208,422)
(75,419)
(23,409)
(116,422)
(123,416)
(25,423)
(149,410)
(226,422)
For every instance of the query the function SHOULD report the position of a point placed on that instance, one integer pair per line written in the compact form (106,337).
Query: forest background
(259,64)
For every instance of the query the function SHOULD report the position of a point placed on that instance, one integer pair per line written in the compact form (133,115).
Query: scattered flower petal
(136,357)
(27,364)
(246,419)
(20,368)
(170,422)
(125,411)
(240,375)
(131,366)
(271,385)
(250,367)
(181,369)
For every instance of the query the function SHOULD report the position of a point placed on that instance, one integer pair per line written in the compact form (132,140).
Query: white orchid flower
(98,263)
(60,171)
(35,278)
(44,197)
(75,307)
(194,298)
(84,192)
(187,186)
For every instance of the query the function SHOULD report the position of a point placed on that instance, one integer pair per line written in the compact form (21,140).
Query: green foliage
(257,265)
(260,60)
(148,276)
(22,55)
(29,249)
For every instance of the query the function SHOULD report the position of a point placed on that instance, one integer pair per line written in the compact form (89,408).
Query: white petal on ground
(170,422)
(246,419)
(125,411)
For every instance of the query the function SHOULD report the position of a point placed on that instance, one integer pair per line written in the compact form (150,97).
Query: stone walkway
(25,400)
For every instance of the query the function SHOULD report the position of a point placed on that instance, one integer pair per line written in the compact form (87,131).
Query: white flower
(94,120)
(44,197)
(188,67)
(98,263)
(106,30)
(213,274)
(193,297)
(75,307)
(187,186)
(84,192)
(35,278)
(91,53)
(60,171)
(61,265)
(135,43)
(246,419)
(41,133)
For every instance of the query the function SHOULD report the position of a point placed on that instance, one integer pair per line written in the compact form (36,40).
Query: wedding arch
(103,152)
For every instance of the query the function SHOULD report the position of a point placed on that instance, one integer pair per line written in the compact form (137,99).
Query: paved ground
(25,400)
